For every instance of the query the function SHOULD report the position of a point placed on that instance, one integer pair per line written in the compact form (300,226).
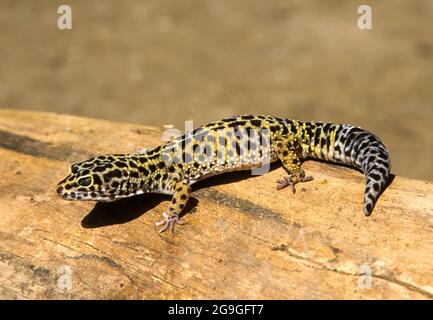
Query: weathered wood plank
(243,239)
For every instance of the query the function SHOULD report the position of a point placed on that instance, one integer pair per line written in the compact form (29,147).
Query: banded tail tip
(368,208)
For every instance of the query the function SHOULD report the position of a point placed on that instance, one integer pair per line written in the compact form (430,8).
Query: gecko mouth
(76,195)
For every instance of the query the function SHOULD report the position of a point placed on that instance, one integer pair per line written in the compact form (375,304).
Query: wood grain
(243,238)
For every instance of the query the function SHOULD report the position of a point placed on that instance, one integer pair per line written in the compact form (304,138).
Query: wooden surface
(243,238)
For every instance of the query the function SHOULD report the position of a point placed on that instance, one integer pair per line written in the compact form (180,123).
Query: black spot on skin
(308,131)
(371,159)
(93,194)
(134,174)
(171,169)
(317,136)
(323,142)
(247,117)
(114,173)
(152,167)
(197,131)
(383,154)
(256,123)
(115,184)
(96,179)
(133,164)
(376,187)
(292,127)
(99,168)
(73,194)
(274,128)
(120,164)
(382,171)
(238,148)
(143,171)
(374,176)
(368,207)
(183,196)
(285,153)
(157,177)
(173,200)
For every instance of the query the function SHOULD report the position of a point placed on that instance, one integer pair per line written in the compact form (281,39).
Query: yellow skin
(236,143)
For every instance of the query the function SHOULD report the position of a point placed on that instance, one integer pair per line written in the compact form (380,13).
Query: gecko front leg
(180,198)
(288,152)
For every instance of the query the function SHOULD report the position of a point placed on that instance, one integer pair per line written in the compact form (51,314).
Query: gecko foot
(291,180)
(168,222)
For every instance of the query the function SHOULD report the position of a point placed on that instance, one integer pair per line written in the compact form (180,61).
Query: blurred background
(163,62)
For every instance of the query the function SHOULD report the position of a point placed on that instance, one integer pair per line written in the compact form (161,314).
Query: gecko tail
(374,161)
(357,147)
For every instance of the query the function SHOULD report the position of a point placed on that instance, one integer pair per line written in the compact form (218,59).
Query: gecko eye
(85,182)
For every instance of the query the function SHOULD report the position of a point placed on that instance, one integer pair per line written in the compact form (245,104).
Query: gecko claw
(168,222)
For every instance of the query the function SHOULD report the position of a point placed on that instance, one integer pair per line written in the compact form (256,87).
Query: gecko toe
(292,180)
(168,222)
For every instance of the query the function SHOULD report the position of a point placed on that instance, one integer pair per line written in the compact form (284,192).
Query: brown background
(163,62)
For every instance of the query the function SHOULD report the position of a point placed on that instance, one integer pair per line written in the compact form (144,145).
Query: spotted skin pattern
(231,144)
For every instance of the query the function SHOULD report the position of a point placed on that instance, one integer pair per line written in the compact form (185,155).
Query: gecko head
(95,179)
